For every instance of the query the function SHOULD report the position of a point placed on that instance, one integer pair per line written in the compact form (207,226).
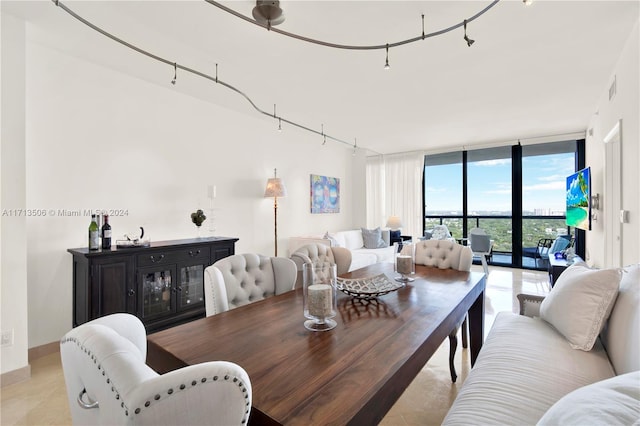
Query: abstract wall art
(325,194)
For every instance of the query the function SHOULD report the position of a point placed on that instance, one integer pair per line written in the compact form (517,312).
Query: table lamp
(394,223)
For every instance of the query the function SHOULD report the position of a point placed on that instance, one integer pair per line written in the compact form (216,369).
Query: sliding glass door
(516,194)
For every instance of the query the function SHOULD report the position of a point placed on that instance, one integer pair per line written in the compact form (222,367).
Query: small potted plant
(198,217)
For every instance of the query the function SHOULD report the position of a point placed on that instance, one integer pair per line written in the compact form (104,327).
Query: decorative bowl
(369,287)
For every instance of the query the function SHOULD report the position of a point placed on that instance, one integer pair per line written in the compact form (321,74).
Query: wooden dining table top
(351,374)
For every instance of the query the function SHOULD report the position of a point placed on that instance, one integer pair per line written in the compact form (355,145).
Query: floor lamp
(275,189)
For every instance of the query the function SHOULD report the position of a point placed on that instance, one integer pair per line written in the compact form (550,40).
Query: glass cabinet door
(156,292)
(191,286)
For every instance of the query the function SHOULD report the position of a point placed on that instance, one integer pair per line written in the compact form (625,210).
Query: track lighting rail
(176,66)
(422,36)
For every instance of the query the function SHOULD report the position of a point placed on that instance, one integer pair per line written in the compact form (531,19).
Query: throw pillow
(373,238)
(332,240)
(614,401)
(580,303)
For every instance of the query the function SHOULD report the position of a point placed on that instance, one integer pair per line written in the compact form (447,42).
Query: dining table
(351,374)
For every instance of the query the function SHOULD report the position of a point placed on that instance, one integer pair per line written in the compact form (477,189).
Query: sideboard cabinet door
(111,286)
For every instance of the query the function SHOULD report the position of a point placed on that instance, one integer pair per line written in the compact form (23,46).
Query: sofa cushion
(580,303)
(621,335)
(614,401)
(373,238)
(523,368)
(362,258)
(351,239)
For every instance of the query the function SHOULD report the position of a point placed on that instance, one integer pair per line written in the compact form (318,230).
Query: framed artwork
(325,194)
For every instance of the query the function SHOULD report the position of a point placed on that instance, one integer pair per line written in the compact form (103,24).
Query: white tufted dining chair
(109,383)
(445,254)
(320,253)
(241,279)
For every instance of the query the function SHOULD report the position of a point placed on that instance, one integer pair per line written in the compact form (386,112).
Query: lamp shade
(275,188)
(394,222)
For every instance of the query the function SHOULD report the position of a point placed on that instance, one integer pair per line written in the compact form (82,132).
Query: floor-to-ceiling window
(515,193)
(489,195)
(544,171)
(444,192)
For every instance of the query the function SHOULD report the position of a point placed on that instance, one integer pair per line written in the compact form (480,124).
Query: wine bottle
(106,233)
(94,234)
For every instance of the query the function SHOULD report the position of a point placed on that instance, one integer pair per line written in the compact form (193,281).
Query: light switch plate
(7,337)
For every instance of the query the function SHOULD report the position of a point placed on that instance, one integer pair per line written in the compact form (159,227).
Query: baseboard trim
(43,350)
(15,376)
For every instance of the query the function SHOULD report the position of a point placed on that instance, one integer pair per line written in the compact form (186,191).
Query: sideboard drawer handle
(154,260)
(194,254)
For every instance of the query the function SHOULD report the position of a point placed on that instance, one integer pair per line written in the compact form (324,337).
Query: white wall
(100,139)
(626,106)
(13,248)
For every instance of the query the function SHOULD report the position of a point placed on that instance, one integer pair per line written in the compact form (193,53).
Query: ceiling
(534,71)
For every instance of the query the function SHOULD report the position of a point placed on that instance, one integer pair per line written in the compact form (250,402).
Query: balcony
(500,229)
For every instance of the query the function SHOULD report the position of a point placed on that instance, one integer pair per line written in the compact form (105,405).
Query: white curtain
(394,187)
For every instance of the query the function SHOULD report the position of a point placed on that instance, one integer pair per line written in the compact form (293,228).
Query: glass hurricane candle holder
(404,261)
(319,286)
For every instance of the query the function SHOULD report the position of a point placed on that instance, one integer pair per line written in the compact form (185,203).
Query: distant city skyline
(489,185)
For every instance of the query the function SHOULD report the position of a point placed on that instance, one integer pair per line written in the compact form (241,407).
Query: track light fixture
(279,124)
(355,146)
(268,12)
(386,63)
(175,73)
(467,39)
(527,2)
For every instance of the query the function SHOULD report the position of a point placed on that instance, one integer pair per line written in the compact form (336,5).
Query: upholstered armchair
(109,383)
(318,253)
(446,254)
(245,278)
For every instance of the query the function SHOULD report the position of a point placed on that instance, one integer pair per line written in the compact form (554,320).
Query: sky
(489,186)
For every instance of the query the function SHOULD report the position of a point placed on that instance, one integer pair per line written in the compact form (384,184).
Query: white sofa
(351,240)
(528,373)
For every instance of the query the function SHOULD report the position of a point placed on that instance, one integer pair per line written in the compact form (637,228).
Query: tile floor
(42,400)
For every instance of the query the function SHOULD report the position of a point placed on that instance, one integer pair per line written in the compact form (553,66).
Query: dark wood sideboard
(162,284)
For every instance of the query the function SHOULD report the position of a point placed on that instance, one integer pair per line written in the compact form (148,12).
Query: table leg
(476,327)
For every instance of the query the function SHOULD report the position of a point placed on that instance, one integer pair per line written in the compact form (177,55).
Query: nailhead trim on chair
(157,397)
(95,361)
